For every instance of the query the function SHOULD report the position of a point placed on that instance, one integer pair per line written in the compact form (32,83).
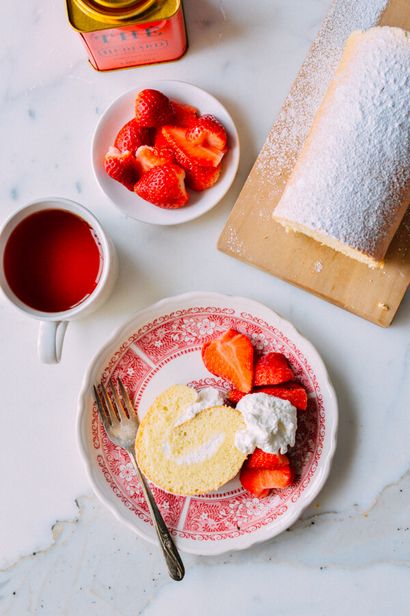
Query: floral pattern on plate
(220,515)
(161,346)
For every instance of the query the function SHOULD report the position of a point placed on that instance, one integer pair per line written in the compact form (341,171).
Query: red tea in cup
(52,260)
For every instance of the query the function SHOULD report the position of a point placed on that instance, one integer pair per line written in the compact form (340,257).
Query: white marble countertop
(62,551)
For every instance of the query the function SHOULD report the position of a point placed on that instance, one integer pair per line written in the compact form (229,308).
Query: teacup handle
(50,341)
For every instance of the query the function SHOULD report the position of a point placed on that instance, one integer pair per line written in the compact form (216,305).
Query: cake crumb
(383,306)
(318,266)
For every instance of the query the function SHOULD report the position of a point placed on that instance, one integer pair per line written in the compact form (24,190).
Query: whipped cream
(270,424)
(206,398)
(204,452)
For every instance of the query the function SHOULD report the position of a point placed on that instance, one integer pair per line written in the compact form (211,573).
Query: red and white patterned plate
(161,346)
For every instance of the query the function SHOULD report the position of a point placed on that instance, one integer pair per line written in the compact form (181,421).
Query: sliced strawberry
(294,392)
(184,115)
(234,395)
(272,369)
(149,156)
(163,186)
(201,178)
(131,136)
(208,131)
(159,140)
(152,108)
(260,481)
(121,166)
(270,461)
(231,357)
(187,154)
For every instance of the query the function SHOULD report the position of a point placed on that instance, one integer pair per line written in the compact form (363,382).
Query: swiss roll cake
(350,187)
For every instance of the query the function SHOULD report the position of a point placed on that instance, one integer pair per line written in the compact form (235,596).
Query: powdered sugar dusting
(354,173)
(278,155)
(235,244)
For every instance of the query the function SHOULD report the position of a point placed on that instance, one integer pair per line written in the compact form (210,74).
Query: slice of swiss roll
(193,457)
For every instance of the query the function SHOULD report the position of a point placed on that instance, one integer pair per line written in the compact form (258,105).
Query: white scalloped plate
(130,204)
(161,346)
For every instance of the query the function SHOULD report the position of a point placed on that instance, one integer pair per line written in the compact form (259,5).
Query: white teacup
(53,324)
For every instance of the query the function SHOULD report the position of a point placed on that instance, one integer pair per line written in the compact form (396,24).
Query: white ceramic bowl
(130,204)
(161,346)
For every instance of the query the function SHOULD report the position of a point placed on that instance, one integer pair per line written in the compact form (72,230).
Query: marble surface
(61,551)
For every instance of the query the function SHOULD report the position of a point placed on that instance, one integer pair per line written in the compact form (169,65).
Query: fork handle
(174,563)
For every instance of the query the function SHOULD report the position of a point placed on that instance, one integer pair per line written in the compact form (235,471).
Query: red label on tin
(138,44)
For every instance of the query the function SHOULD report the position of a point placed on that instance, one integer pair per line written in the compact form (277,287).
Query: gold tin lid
(92,15)
(109,11)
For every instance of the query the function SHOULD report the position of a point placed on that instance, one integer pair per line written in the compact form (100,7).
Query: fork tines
(114,408)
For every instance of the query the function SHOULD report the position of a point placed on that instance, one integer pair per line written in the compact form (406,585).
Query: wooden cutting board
(251,234)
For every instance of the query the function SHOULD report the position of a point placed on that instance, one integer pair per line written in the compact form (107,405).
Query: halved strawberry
(201,178)
(208,131)
(187,154)
(152,108)
(260,481)
(121,166)
(131,136)
(184,115)
(159,139)
(272,369)
(149,156)
(234,395)
(163,186)
(294,392)
(231,357)
(270,461)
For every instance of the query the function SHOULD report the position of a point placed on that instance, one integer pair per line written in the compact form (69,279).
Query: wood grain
(252,236)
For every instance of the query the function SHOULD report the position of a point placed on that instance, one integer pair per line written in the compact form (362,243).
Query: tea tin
(125,33)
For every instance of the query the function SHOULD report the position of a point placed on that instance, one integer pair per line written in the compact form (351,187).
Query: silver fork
(121,423)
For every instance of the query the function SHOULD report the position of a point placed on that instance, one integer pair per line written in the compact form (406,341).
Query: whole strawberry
(131,137)
(152,108)
(163,186)
(184,115)
(122,167)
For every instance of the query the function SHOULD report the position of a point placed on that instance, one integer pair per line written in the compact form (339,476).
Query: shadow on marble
(347,438)
(208,24)
(98,566)
(403,314)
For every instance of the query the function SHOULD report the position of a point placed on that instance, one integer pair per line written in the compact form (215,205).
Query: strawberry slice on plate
(270,461)
(200,178)
(184,115)
(148,156)
(294,392)
(259,481)
(131,136)
(152,108)
(272,369)
(159,139)
(230,356)
(163,186)
(188,154)
(122,167)
(208,131)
